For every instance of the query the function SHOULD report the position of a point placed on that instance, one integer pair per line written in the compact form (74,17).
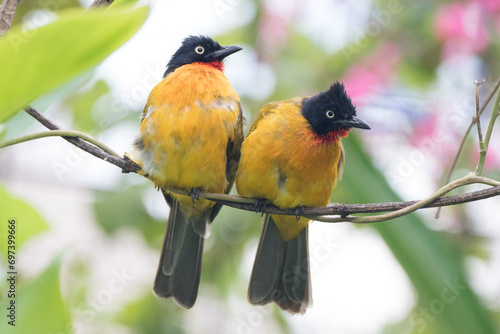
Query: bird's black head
(200,49)
(331,112)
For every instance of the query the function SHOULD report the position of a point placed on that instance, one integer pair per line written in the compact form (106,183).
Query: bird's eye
(199,49)
(330,114)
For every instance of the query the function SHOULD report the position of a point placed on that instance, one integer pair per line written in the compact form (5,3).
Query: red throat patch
(332,136)
(216,64)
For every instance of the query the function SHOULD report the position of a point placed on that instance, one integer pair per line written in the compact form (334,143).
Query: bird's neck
(331,136)
(214,64)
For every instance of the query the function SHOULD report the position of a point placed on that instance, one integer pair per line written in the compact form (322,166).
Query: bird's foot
(299,211)
(260,205)
(195,194)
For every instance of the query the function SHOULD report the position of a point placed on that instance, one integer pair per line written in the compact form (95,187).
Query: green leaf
(37,61)
(28,221)
(39,306)
(446,301)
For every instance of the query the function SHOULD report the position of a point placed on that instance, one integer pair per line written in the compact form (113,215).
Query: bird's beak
(355,122)
(225,51)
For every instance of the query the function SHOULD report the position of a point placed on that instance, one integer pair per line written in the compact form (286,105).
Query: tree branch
(7,11)
(125,164)
(248,204)
(344,210)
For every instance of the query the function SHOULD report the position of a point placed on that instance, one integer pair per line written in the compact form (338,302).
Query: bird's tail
(281,270)
(179,270)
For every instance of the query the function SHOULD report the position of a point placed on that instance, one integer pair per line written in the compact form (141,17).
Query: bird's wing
(233,158)
(233,150)
(271,108)
(340,166)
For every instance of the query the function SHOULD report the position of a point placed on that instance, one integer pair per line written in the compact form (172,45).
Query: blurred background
(93,234)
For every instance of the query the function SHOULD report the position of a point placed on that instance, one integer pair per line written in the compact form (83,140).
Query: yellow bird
(190,138)
(293,157)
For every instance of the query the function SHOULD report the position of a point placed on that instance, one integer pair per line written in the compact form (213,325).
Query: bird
(292,157)
(190,139)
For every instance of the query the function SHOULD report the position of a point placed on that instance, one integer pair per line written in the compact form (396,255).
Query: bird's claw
(260,205)
(299,211)
(195,194)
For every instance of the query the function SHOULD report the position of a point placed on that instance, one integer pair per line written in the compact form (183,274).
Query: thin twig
(59,133)
(462,144)
(469,129)
(478,118)
(491,124)
(7,11)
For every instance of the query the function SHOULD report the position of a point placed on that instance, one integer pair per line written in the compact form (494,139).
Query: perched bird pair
(192,137)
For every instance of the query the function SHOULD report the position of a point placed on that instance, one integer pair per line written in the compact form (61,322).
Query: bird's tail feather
(268,264)
(281,270)
(295,283)
(202,224)
(179,270)
(175,229)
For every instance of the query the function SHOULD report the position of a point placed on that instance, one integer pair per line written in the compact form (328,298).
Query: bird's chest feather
(188,120)
(307,170)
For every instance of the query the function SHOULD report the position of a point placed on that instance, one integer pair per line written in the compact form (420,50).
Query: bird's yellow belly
(186,150)
(188,121)
(301,177)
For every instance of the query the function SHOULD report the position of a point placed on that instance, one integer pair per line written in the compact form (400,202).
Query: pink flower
(491,6)
(462,28)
